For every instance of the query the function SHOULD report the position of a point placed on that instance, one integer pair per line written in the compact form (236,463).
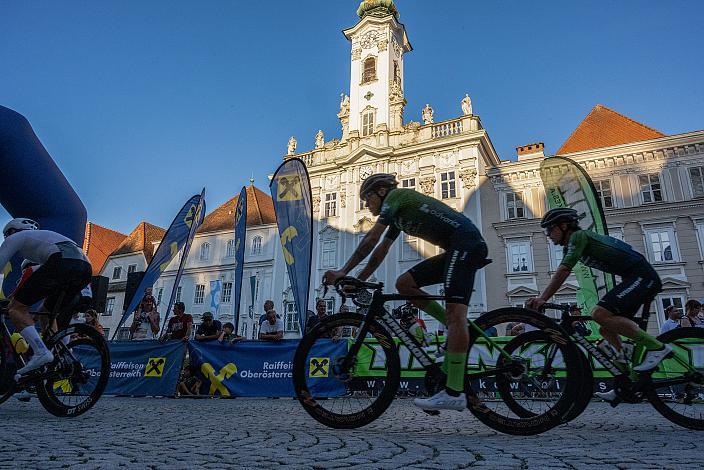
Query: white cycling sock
(31,335)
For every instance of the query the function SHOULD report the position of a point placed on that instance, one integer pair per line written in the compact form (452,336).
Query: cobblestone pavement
(260,433)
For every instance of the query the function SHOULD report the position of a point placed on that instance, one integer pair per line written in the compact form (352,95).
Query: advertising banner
(174,240)
(240,241)
(260,368)
(138,368)
(568,185)
(290,190)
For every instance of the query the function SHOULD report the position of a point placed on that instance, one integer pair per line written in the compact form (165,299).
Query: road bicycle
(74,381)
(369,335)
(675,388)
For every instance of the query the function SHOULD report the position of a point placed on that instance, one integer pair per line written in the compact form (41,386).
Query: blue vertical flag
(290,190)
(193,219)
(174,240)
(215,288)
(240,237)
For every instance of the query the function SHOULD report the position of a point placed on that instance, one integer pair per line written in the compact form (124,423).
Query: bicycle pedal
(432,412)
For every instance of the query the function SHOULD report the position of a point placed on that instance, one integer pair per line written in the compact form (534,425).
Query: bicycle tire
(668,408)
(509,422)
(522,342)
(87,337)
(363,407)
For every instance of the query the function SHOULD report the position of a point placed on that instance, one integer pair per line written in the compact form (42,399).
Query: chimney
(528,151)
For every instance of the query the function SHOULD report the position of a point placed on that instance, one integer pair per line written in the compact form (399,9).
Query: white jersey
(37,246)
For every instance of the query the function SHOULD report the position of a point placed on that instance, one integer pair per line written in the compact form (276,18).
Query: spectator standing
(145,323)
(92,320)
(320,313)
(268,305)
(228,334)
(209,329)
(272,329)
(180,325)
(691,317)
(673,319)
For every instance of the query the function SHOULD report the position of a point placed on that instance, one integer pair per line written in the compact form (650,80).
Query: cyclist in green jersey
(465,252)
(614,312)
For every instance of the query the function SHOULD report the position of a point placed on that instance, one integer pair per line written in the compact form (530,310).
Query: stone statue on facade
(292,145)
(344,105)
(319,139)
(466,105)
(427,114)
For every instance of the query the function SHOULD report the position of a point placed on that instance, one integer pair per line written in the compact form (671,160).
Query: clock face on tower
(365,172)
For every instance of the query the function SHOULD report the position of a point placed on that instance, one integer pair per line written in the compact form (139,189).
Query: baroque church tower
(378,42)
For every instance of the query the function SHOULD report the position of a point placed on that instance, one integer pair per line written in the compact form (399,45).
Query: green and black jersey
(607,254)
(418,215)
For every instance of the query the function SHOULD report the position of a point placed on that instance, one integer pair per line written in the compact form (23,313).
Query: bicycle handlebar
(561,307)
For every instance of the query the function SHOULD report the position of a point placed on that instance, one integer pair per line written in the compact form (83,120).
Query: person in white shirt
(63,268)
(673,319)
(273,328)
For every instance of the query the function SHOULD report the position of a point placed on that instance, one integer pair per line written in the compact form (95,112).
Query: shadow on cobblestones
(259,433)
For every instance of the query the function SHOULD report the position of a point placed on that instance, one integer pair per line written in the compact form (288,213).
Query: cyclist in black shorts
(465,252)
(63,268)
(615,310)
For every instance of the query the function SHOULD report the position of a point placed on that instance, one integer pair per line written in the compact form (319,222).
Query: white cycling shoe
(608,397)
(442,401)
(37,361)
(653,358)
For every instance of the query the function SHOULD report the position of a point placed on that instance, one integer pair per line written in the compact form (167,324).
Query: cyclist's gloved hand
(535,303)
(331,276)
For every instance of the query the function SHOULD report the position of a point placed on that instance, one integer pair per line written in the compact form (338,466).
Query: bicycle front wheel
(537,377)
(682,402)
(340,391)
(81,371)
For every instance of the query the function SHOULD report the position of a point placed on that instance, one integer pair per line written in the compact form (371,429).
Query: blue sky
(143,103)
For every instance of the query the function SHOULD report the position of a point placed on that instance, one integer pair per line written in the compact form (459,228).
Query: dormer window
(369,70)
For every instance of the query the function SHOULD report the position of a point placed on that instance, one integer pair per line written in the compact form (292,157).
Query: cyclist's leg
(426,273)
(23,321)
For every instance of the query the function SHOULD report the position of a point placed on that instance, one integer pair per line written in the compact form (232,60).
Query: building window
(408,183)
(243,331)
(331,205)
(696,176)
(178,294)
(291,322)
(603,191)
(230,249)
(409,248)
(661,244)
(369,70)
(226,294)
(367,123)
(514,206)
(159,295)
(106,333)
(109,306)
(329,306)
(123,334)
(116,272)
(131,268)
(699,225)
(199,295)
(650,188)
(447,185)
(556,255)
(204,251)
(329,254)
(257,245)
(519,256)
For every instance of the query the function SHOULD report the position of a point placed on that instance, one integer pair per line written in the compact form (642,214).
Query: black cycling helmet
(557,215)
(377,181)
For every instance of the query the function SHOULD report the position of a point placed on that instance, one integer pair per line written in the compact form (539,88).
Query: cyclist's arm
(377,257)
(365,247)
(8,249)
(560,276)
(575,249)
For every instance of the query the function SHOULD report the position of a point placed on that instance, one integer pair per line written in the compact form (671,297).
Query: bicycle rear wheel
(529,398)
(339,394)
(82,369)
(681,403)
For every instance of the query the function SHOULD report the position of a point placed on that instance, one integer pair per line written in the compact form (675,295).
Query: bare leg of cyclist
(406,285)
(23,321)
(611,337)
(457,345)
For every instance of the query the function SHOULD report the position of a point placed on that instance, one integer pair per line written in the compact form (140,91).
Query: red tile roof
(604,127)
(260,211)
(99,243)
(141,239)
